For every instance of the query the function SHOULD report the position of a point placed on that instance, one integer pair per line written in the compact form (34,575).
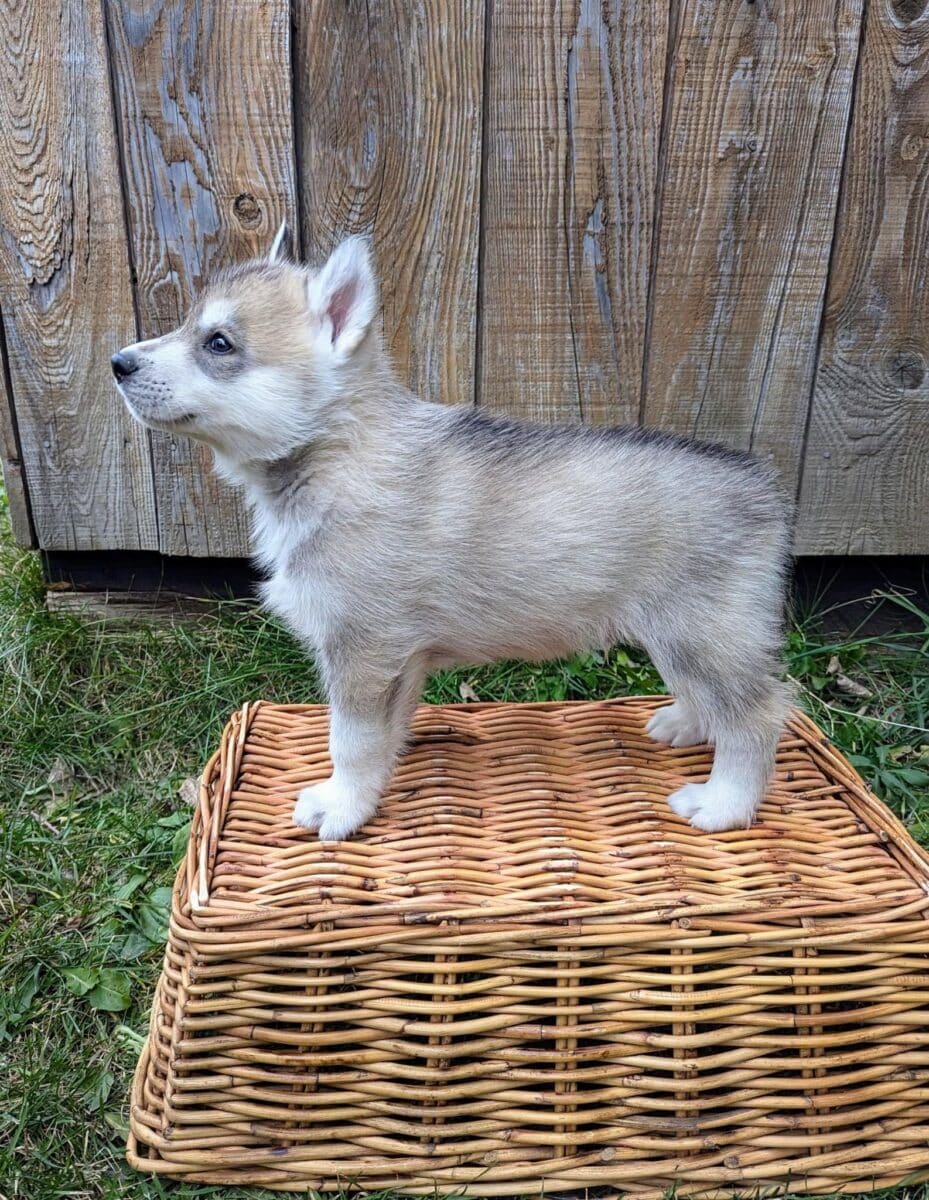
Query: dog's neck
(369,395)
(335,471)
(271,482)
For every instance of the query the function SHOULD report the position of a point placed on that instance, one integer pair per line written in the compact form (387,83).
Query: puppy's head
(264,352)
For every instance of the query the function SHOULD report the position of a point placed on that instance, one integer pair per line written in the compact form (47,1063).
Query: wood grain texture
(574,101)
(204,101)
(866,471)
(121,608)
(389,126)
(759,99)
(64,283)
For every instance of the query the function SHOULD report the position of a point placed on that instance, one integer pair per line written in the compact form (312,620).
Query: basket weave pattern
(527,973)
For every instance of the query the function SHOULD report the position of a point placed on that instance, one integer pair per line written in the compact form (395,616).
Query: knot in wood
(906,369)
(247,210)
(908,10)
(912,146)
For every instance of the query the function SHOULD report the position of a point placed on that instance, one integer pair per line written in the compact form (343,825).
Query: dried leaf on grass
(851,687)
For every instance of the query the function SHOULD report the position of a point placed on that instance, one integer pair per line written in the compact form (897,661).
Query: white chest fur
(299,597)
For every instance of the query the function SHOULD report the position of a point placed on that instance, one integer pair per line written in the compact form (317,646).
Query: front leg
(367,728)
(362,756)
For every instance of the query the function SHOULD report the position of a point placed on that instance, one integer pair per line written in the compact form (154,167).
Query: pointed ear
(282,246)
(342,296)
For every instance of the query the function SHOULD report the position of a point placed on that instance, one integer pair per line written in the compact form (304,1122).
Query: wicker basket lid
(518,815)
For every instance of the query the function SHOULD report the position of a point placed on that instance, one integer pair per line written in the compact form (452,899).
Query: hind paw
(712,808)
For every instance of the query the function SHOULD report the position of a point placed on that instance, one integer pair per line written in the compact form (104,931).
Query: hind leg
(746,744)
(726,690)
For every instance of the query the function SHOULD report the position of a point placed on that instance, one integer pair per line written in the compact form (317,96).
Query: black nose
(123,364)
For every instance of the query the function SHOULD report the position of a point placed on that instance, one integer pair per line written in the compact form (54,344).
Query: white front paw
(677,726)
(712,807)
(332,809)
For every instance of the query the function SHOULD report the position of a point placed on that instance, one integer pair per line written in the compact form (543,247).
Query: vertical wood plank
(64,284)
(759,103)
(389,128)
(11,465)
(574,99)
(866,472)
(204,100)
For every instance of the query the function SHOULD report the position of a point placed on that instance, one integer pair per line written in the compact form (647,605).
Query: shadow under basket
(527,974)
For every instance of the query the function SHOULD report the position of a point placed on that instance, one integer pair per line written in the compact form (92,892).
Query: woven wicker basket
(527,974)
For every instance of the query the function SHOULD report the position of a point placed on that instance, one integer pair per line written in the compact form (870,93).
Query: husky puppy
(400,536)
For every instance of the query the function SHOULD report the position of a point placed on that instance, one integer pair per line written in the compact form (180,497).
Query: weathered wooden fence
(709,215)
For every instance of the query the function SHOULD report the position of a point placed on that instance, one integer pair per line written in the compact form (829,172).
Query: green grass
(107,722)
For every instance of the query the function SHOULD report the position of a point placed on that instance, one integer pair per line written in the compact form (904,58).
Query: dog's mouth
(165,422)
(157,420)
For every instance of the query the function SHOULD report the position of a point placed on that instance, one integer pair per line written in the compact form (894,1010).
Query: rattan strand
(527,974)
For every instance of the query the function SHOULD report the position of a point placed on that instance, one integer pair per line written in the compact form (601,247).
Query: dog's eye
(219,344)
